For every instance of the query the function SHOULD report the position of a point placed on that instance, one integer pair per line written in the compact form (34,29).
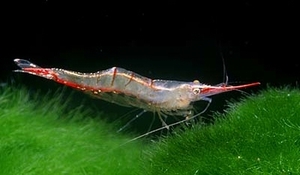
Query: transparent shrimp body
(126,88)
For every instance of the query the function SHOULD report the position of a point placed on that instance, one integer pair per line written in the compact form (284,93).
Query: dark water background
(166,40)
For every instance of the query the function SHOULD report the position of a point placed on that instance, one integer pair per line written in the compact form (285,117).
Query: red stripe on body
(151,83)
(131,78)
(114,77)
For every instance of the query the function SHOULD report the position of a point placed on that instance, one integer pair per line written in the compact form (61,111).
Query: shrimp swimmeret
(126,88)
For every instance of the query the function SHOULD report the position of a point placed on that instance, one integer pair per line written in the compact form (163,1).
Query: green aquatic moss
(43,135)
(259,135)
(37,136)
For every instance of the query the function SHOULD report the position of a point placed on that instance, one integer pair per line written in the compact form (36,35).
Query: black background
(177,40)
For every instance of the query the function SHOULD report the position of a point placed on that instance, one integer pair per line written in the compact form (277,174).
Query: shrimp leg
(209,100)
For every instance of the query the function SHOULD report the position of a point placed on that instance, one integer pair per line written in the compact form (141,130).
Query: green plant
(259,135)
(37,136)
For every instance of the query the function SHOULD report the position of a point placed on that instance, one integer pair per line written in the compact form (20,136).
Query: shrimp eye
(196,91)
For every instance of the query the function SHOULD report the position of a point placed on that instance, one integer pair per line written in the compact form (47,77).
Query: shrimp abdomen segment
(138,91)
(116,80)
(158,94)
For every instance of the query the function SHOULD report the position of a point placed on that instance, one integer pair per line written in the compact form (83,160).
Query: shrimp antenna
(225,75)
(130,121)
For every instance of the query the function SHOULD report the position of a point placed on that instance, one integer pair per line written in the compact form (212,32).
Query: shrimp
(126,88)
